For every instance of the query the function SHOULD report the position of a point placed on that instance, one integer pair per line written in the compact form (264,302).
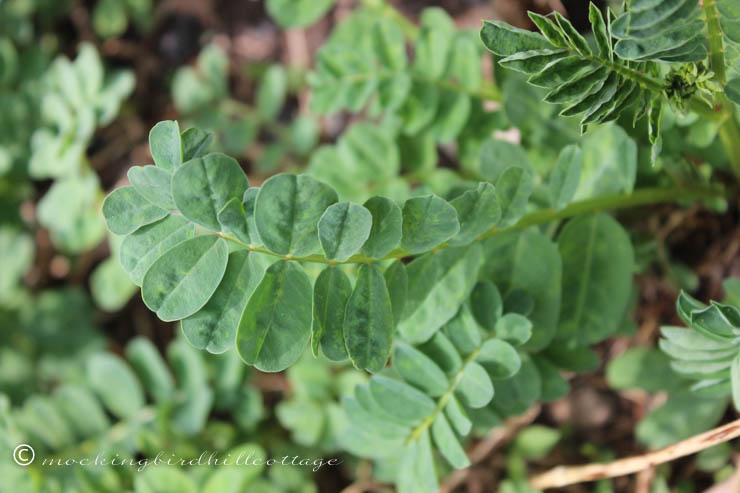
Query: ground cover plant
(450,258)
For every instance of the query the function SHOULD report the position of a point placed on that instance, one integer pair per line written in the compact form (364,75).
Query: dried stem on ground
(565,475)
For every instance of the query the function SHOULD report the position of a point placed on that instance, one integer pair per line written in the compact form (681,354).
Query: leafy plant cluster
(201,95)
(463,271)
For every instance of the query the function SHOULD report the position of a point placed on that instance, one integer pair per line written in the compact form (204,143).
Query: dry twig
(565,475)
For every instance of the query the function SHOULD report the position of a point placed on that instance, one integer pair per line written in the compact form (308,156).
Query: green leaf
(732,90)
(297,13)
(272,91)
(368,320)
(564,178)
(287,211)
(513,189)
(154,184)
(441,350)
(535,442)
(141,248)
(464,331)
(427,222)
(499,359)
(434,42)
(151,368)
(165,145)
(478,211)
(213,327)
(456,415)
(505,40)
(598,27)
(385,233)
(517,394)
(417,471)
(331,291)
(535,267)
(195,143)
(115,384)
(682,416)
(486,304)
(126,210)
(401,400)
(183,279)
(202,186)
(475,388)
(514,328)
(457,275)
(447,443)
(276,324)
(642,368)
(343,229)
(597,270)
(496,156)
(164,480)
(419,370)
(233,220)
(571,33)
(609,163)
(397,281)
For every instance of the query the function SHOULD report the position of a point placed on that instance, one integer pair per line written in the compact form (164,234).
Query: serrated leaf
(331,291)
(368,320)
(213,327)
(165,145)
(154,184)
(343,229)
(126,210)
(287,211)
(141,248)
(182,280)
(427,222)
(478,211)
(276,324)
(419,370)
(202,186)
(505,40)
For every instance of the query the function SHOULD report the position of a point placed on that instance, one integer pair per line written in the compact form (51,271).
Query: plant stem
(565,475)
(716,47)
(729,131)
(644,196)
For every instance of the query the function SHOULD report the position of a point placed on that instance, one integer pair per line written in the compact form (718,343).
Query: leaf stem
(640,197)
(716,47)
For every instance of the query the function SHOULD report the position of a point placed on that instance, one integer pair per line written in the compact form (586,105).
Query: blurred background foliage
(81,83)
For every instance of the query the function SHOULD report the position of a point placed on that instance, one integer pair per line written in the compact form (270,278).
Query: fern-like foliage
(708,352)
(621,72)
(438,391)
